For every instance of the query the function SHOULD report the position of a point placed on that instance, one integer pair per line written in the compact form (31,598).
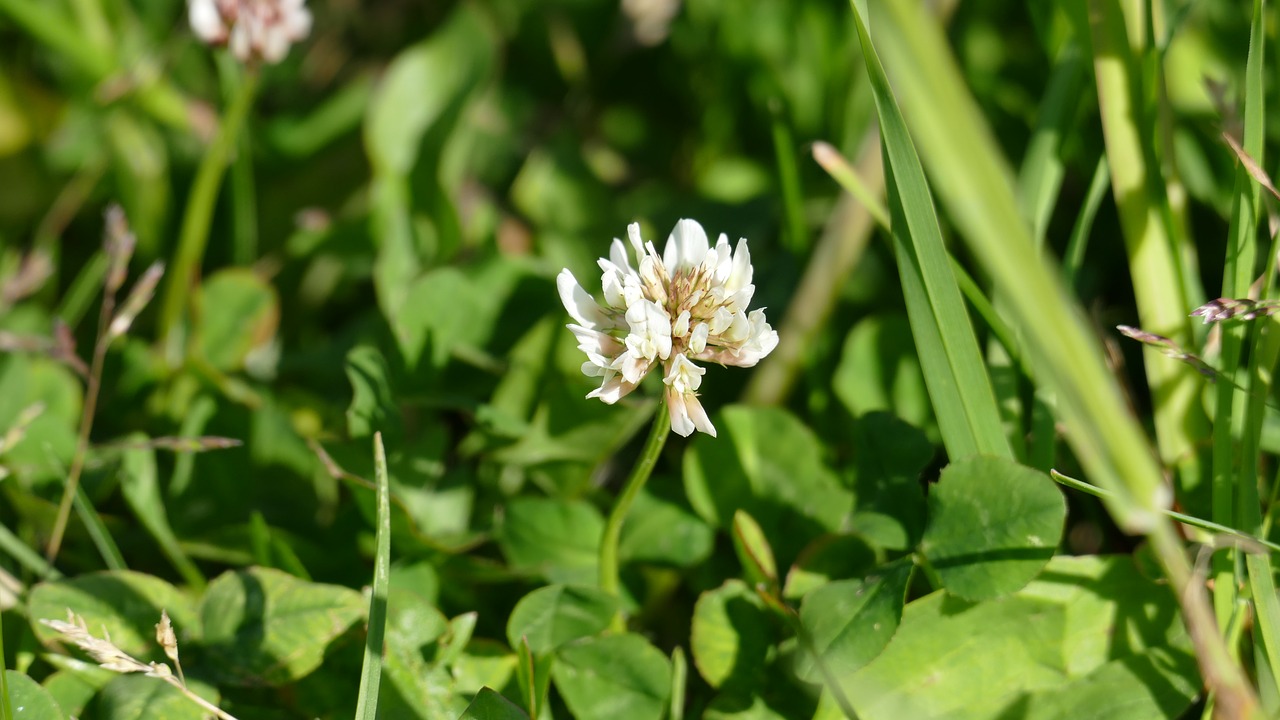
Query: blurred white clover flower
(690,303)
(252,29)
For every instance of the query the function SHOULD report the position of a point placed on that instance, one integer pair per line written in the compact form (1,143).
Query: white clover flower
(252,29)
(689,303)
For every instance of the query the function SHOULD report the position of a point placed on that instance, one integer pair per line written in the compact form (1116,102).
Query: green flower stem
(609,581)
(195,222)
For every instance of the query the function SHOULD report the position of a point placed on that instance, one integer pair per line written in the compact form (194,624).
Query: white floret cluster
(689,303)
(254,30)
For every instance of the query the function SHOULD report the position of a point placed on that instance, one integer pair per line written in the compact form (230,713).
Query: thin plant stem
(1183,518)
(194,236)
(217,711)
(86,423)
(609,580)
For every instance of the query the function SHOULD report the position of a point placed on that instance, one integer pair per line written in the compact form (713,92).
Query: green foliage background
(872,531)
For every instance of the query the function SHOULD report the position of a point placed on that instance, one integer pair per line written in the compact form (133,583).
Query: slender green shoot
(371,673)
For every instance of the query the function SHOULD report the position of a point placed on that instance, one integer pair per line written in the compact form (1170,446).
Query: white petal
(650,330)
(740,277)
(613,390)
(686,247)
(633,236)
(683,376)
(681,327)
(687,414)
(698,340)
(205,21)
(594,341)
(618,255)
(581,306)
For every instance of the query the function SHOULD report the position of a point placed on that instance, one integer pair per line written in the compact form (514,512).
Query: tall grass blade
(1105,436)
(953,368)
(371,673)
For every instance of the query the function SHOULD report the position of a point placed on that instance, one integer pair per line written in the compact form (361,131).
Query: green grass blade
(1040,177)
(1153,259)
(977,188)
(1073,258)
(98,532)
(371,673)
(953,368)
(22,554)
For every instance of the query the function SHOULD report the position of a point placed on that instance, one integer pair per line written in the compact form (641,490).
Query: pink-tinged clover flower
(689,303)
(258,30)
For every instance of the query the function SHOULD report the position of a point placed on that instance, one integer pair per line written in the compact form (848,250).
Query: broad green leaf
(414,686)
(486,663)
(731,636)
(29,700)
(45,448)
(71,690)
(239,313)
(890,456)
(490,705)
(993,525)
(137,697)
(557,539)
(770,465)
(557,614)
(373,395)
(124,603)
(665,532)
(412,623)
(439,314)
(407,130)
(830,557)
(1006,656)
(879,370)
(264,627)
(621,677)
(851,621)
(1159,684)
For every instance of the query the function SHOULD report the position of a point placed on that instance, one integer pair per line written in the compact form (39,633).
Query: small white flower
(252,29)
(689,303)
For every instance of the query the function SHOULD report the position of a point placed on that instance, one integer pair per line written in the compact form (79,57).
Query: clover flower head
(252,29)
(689,303)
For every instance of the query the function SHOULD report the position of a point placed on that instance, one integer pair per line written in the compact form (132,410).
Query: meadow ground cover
(638,359)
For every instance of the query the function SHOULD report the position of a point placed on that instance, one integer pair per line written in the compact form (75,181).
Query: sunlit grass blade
(371,672)
(1150,242)
(1105,436)
(1236,435)
(954,372)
